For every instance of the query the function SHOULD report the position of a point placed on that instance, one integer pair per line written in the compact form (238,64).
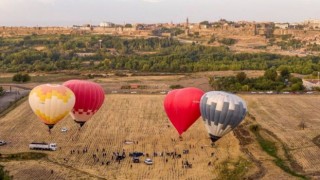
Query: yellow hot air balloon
(51,102)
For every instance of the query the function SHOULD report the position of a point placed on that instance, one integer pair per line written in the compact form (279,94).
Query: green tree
(241,76)
(245,88)
(205,23)
(128,26)
(285,73)
(297,87)
(271,74)
(21,77)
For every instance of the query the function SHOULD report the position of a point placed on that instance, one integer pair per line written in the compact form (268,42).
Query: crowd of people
(118,156)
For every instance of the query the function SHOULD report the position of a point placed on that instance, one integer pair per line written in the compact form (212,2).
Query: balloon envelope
(221,112)
(51,102)
(182,107)
(89,99)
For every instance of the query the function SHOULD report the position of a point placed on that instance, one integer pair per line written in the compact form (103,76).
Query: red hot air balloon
(183,107)
(89,99)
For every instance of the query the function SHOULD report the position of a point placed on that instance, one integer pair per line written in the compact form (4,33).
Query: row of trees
(63,52)
(271,80)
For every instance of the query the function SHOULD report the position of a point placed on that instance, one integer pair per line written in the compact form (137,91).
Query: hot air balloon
(221,112)
(51,102)
(89,99)
(182,107)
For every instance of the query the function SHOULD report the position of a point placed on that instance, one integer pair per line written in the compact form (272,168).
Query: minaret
(187,31)
(187,22)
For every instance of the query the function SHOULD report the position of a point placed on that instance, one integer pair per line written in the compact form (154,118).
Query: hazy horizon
(70,12)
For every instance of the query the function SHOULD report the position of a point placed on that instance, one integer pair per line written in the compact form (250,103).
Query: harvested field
(282,114)
(138,118)
(141,119)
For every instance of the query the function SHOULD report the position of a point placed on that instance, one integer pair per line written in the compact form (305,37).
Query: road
(10,97)
(16,86)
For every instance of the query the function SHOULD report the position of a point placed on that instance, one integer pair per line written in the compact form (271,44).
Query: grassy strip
(271,148)
(4,175)
(237,171)
(23,156)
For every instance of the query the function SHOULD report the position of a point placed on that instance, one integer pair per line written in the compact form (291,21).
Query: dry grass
(123,117)
(141,118)
(282,114)
(41,170)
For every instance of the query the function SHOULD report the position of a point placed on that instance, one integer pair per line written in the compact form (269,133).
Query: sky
(71,12)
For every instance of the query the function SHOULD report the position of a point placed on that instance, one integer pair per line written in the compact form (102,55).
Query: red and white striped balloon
(89,99)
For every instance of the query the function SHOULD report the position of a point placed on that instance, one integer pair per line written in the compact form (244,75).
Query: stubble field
(282,115)
(138,118)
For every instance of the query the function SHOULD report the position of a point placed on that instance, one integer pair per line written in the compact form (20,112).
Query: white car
(64,129)
(2,142)
(148,161)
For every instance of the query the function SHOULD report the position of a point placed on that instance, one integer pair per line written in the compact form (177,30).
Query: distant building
(86,25)
(203,26)
(282,25)
(313,23)
(107,24)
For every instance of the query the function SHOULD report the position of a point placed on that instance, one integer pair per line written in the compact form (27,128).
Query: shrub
(21,77)
(176,86)
(228,41)
(1,91)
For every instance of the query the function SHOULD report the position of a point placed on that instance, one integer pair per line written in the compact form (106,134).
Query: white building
(106,24)
(282,25)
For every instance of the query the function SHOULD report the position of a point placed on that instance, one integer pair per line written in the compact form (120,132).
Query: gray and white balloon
(221,112)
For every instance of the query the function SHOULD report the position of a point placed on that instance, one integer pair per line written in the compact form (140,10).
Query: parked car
(148,161)
(2,142)
(64,129)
